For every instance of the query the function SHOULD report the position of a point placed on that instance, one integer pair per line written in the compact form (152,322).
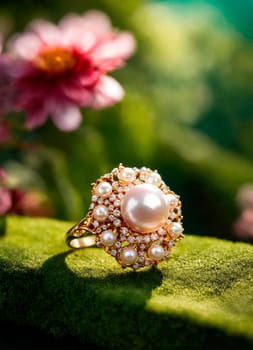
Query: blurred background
(188,112)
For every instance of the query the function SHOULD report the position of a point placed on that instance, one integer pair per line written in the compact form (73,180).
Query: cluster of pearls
(135,216)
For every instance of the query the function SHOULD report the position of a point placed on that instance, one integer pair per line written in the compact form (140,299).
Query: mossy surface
(202,297)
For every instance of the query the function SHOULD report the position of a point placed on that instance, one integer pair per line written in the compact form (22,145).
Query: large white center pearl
(144,208)
(108,238)
(104,189)
(156,252)
(129,256)
(100,213)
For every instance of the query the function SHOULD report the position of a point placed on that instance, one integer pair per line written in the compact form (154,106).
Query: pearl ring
(133,216)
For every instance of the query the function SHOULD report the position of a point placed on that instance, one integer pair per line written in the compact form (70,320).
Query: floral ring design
(133,216)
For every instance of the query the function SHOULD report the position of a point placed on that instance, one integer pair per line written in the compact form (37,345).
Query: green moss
(201,298)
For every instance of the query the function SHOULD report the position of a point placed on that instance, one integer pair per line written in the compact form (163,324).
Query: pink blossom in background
(243,225)
(6,93)
(22,202)
(57,69)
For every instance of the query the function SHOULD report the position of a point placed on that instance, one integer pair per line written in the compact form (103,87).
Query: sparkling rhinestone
(136,266)
(116,212)
(117,244)
(95,223)
(94,198)
(131,239)
(106,202)
(116,222)
(111,207)
(124,230)
(104,227)
(117,203)
(161,239)
(98,230)
(161,231)
(112,198)
(154,236)
(122,238)
(141,259)
(121,195)
(92,206)
(171,243)
(115,184)
(146,239)
(100,201)
(141,253)
(113,252)
(142,246)
(142,177)
(111,217)
(139,239)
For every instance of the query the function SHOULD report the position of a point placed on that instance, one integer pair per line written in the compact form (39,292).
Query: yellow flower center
(55,60)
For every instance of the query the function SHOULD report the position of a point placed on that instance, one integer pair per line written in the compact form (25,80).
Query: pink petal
(66,117)
(97,22)
(48,33)
(74,33)
(25,46)
(114,51)
(36,117)
(107,92)
(5,200)
(77,94)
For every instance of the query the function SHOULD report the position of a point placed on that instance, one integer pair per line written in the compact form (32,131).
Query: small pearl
(176,228)
(100,213)
(156,252)
(127,175)
(108,238)
(154,179)
(129,256)
(172,200)
(104,189)
(144,208)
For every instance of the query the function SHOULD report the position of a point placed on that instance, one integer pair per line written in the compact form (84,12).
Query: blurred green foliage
(188,112)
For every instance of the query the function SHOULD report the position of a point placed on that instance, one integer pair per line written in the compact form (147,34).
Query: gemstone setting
(136,218)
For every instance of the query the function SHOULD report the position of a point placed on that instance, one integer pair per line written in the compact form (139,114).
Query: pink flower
(6,89)
(22,202)
(57,69)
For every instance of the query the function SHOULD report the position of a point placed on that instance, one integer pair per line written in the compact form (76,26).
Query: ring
(133,216)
